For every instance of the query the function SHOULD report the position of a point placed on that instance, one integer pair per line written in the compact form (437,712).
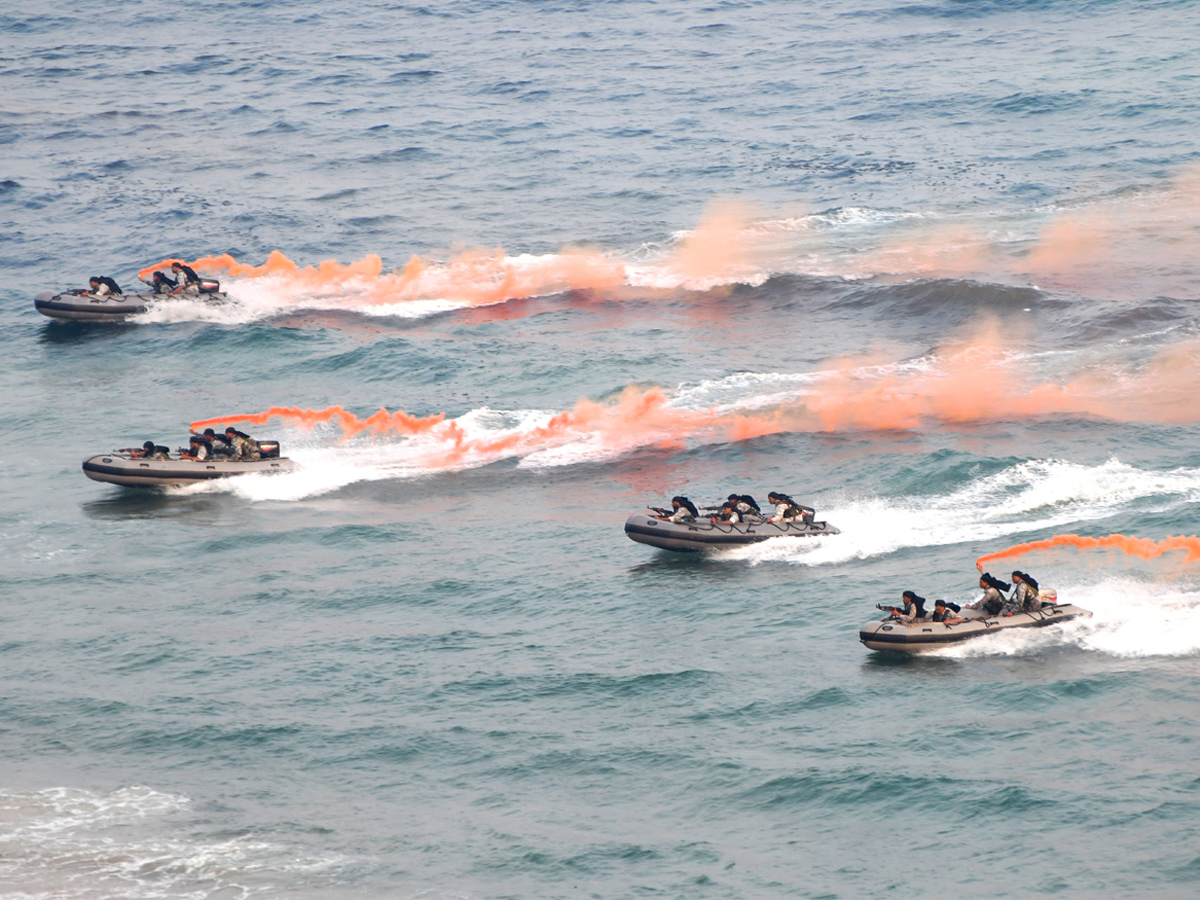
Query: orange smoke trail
(1143,548)
(351,424)
(276,264)
(637,417)
(473,277)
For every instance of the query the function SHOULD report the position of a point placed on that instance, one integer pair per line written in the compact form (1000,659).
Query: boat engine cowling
(209,286)
(268,449)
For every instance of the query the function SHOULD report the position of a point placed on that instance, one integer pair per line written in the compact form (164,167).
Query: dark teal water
(931,268)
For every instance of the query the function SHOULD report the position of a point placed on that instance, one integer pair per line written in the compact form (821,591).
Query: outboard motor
(268,449)
(209,286)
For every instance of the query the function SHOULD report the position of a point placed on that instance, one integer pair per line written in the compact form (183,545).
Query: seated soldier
(220,446)
(103,286)
(913,610)
(160,283)
(1024,596)
(947,613)
(788,510)
(992,601)
(728,513)
(187,281)
(198,449)
(683,511)
(151,450)
(746,507)
(243,448)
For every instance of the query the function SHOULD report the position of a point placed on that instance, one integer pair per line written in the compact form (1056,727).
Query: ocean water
(931,268)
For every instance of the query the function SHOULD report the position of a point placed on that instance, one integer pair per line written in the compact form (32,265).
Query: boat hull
(129,472)
(700,535)
(72,307)
(893,636)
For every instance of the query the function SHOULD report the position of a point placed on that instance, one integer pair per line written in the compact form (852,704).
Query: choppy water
(930,267)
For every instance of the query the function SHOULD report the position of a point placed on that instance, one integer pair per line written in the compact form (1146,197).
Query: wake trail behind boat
(1130,619)
(1030,496)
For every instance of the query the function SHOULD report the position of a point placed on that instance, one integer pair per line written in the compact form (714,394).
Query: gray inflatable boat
(706,535)
(132,471)
(892,635)
(80,306)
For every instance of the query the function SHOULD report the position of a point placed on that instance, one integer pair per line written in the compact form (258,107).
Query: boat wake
(1130,619)
(1027,497)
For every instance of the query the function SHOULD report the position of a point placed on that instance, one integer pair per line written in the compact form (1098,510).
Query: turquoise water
(930,268)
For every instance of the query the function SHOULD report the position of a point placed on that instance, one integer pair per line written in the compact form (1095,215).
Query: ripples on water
(928,267)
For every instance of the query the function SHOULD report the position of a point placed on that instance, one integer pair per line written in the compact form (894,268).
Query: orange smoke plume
(1102,242)
(718,244)
(1143,548)
(982,379)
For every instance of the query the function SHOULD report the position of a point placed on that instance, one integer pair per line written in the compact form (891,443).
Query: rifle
(661,511)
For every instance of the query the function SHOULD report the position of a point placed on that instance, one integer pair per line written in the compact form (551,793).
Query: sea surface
(931,268)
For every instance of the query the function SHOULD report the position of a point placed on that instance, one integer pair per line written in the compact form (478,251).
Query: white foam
(74,844)
(58,810)
(743,391)
(665,278)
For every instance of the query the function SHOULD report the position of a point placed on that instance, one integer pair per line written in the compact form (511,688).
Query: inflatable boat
(80,306)
(705,535)
(134,471)
(891,634)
